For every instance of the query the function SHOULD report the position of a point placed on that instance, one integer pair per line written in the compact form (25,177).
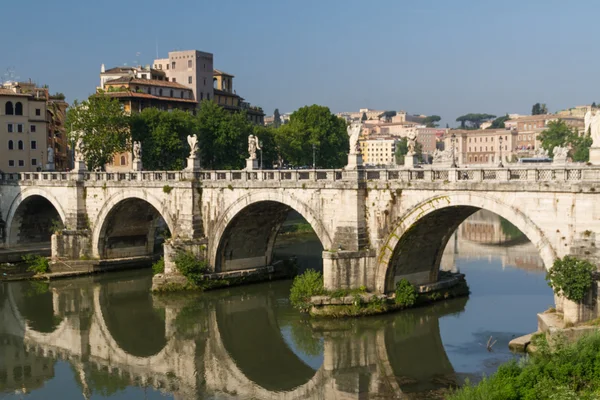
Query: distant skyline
(424,57)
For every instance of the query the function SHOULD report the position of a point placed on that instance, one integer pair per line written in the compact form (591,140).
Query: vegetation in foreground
(36,264)
(567,371)
(571,277)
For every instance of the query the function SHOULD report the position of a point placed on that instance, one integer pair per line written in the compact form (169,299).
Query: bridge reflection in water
(240,343)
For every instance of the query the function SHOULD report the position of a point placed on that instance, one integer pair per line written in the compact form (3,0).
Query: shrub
(37,264)
(406,293)
(159,266)
(572,277)
(167,189)
(190,267)
(310,283)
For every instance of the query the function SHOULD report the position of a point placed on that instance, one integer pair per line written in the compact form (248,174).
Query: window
(171,93)
(173,80)
(123,160)
(11,145)
(189,79)
(144,76)
(204,81)
(189,63)
(173,65)
(207,96)
(19,108)
(33,145)
(10,128)
(32,129)
(34,161)
(167,66)
(20,145)
(11,163)
(181,93)
(38,112)
(137,88)
(149,90)
(201,96)
(21,163)
(160,92)
(8,108)
(159,66)
(20,128)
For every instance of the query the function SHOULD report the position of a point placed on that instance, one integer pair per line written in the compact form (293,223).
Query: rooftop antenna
(157,47)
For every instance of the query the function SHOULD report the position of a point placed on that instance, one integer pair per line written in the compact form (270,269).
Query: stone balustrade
(516,173)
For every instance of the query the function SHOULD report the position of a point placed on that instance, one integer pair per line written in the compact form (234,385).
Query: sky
(438,57)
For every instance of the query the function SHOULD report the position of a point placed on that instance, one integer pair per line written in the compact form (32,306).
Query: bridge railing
(511,174)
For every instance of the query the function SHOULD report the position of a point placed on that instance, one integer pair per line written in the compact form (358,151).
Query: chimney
(102,69)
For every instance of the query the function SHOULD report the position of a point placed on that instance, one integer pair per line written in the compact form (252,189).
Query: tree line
(105,129)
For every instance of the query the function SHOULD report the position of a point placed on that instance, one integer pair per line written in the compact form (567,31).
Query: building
(480,147)
(192,68)
(430,140)
(227,98)
(137,94)
(23,127)
(57,133)
(378,150)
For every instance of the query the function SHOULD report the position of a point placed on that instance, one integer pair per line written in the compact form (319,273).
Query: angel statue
(193,142)
(79,150)
(412,137)
(137,151)
(354,130)
(253,145)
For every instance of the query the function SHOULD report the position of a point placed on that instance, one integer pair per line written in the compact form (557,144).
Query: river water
(106,336)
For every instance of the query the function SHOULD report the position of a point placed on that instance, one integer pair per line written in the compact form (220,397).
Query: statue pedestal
(595,155)
(410,161)
(355,161)
(193,164)
(251,164)
(79,166)
(50,166)
(137,165)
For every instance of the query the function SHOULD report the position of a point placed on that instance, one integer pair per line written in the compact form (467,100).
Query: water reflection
(107,335)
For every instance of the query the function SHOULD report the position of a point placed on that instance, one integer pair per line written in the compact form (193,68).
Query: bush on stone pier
(571,277)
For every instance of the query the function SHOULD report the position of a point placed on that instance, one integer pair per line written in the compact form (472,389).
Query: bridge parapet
(517,173)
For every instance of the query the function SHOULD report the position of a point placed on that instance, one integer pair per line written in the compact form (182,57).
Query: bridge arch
(251,206)
(33,203)
(416,243)
(128,204)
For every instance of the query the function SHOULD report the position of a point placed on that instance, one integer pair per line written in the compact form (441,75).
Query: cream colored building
(482,147)
(192,68)
(23,128)
(379,151)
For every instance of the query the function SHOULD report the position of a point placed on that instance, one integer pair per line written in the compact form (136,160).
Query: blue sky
(428,56)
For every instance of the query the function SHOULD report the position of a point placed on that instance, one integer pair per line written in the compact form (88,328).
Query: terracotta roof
(148,82)
(118,70)
(224,93)
(149,96)
(8,92)
(219,72)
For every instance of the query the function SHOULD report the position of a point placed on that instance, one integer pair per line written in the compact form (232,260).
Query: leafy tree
(539,109)
(559,134)
(164,137)
(276,118)
(594,104)
(571,277)
(498,123)
(431,120)
(103,127)
(473,121)
(364,117)
(580,147)
(270,151)
(313,125)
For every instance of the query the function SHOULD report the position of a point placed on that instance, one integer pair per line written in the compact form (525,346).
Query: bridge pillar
(349,269)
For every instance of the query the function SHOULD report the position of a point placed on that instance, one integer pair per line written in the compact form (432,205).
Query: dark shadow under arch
(34,221)
(132,228)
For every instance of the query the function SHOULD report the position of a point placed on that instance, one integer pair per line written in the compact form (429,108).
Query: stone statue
(541,153)
(560,154)
(354,130)
(253,145)
(412,137)
(79,150)
(592,125)
(193,142)
(50,155)
(441,156)
(137,151)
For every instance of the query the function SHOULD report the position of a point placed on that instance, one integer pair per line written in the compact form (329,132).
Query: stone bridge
(234,347)
(375,226)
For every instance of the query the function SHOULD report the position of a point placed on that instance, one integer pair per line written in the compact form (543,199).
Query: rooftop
(219,72)
(147,82)
(148,96)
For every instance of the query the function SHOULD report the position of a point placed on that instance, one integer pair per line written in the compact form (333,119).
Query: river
(106,336)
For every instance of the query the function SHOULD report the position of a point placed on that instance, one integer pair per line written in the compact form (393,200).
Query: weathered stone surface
(520,344)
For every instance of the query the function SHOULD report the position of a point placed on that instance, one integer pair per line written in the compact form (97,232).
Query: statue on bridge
(411,141)
(354,130)
(193,142)
(560,154)
(253,145)
(592,124)
(50,155)
(541,153)
(137,151)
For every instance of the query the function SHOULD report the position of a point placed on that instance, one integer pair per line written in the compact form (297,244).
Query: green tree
(559,134)
(313,125)
(270,151)
(402,150)
(431,120)
(580,147)
(594,104)
(498,123)
(473,121)
(103,127)
(539,109)
(164,137)
(223,139)
(276,118)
